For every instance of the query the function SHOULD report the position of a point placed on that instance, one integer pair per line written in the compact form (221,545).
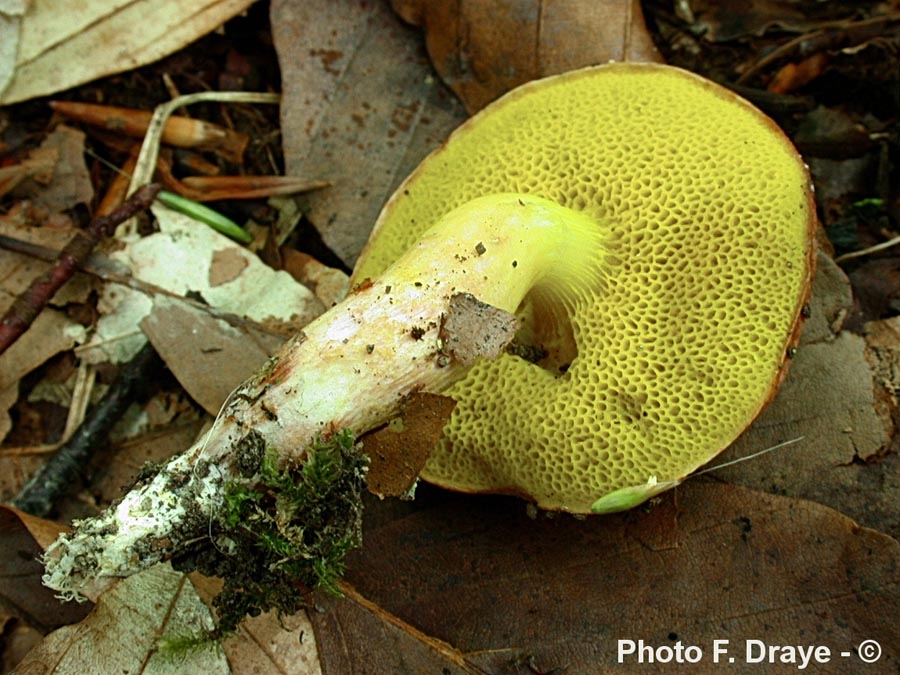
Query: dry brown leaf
(15,226)
(883,342)
(187,258)
(226,265)
(399,450)
(43,531)
(329,284)
(207,355)
(358,624)
(829,398)
(18,270)
(481,580)
(8,398)
(484,48)
(22,539)
(51,333)
(265,643)
(121,633)
(58,50)
(360,107)
(66,181)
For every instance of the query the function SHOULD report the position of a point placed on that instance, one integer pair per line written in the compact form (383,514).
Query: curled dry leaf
(484,48)
(58,50)
(475,579)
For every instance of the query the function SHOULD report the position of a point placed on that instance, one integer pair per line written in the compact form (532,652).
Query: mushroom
(671,348)
(653,234)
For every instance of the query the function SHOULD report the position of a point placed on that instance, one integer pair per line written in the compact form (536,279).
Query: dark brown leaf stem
(30,303)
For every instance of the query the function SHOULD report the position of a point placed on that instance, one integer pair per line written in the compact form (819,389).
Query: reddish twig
(30,303)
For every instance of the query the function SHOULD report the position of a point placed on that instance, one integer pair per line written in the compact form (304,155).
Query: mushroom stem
(349,369)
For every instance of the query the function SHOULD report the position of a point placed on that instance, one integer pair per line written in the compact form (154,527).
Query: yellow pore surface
(683,343)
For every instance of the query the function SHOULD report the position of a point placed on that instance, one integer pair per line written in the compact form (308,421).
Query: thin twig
(867,251)
(57,475)
(834,35)
(29,304)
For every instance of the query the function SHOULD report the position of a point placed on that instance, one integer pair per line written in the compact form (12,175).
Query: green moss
(179,647)
(284,532)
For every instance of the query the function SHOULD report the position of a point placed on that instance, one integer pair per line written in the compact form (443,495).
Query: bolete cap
(665,361)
